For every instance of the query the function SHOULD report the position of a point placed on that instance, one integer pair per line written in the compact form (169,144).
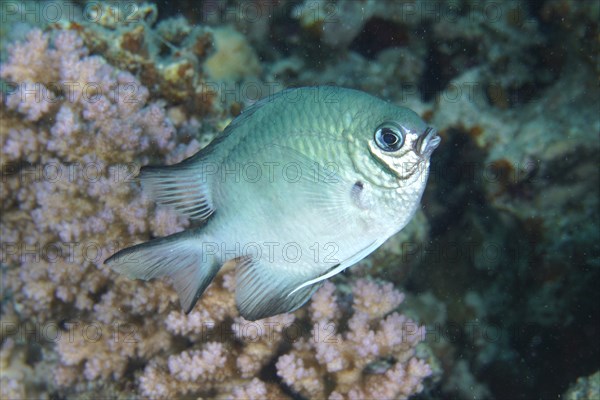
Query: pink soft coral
(375,334)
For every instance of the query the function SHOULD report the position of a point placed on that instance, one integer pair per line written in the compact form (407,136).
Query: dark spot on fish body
(355,193)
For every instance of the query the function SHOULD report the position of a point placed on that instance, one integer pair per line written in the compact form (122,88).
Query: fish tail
(180,257)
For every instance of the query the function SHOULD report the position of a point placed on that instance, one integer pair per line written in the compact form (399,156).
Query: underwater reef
(489,293)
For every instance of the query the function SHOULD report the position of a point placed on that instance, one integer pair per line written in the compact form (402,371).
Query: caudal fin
(179,257)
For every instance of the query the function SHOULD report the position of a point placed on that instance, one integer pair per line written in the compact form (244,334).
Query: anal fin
(263,291)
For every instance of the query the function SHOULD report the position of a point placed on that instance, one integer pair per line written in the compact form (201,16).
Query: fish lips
(427,142)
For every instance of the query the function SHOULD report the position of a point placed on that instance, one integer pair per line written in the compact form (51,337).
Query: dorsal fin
(187,186)
(184,187)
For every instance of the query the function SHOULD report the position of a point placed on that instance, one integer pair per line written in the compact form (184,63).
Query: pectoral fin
(319,186)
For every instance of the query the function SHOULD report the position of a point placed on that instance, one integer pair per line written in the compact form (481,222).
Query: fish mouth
(427,142)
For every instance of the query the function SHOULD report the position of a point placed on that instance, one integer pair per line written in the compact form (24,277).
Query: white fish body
(297,188)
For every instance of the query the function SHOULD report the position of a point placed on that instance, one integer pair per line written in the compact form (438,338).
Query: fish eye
(389,137)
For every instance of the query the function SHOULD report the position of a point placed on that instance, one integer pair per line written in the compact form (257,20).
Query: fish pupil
(389,137)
